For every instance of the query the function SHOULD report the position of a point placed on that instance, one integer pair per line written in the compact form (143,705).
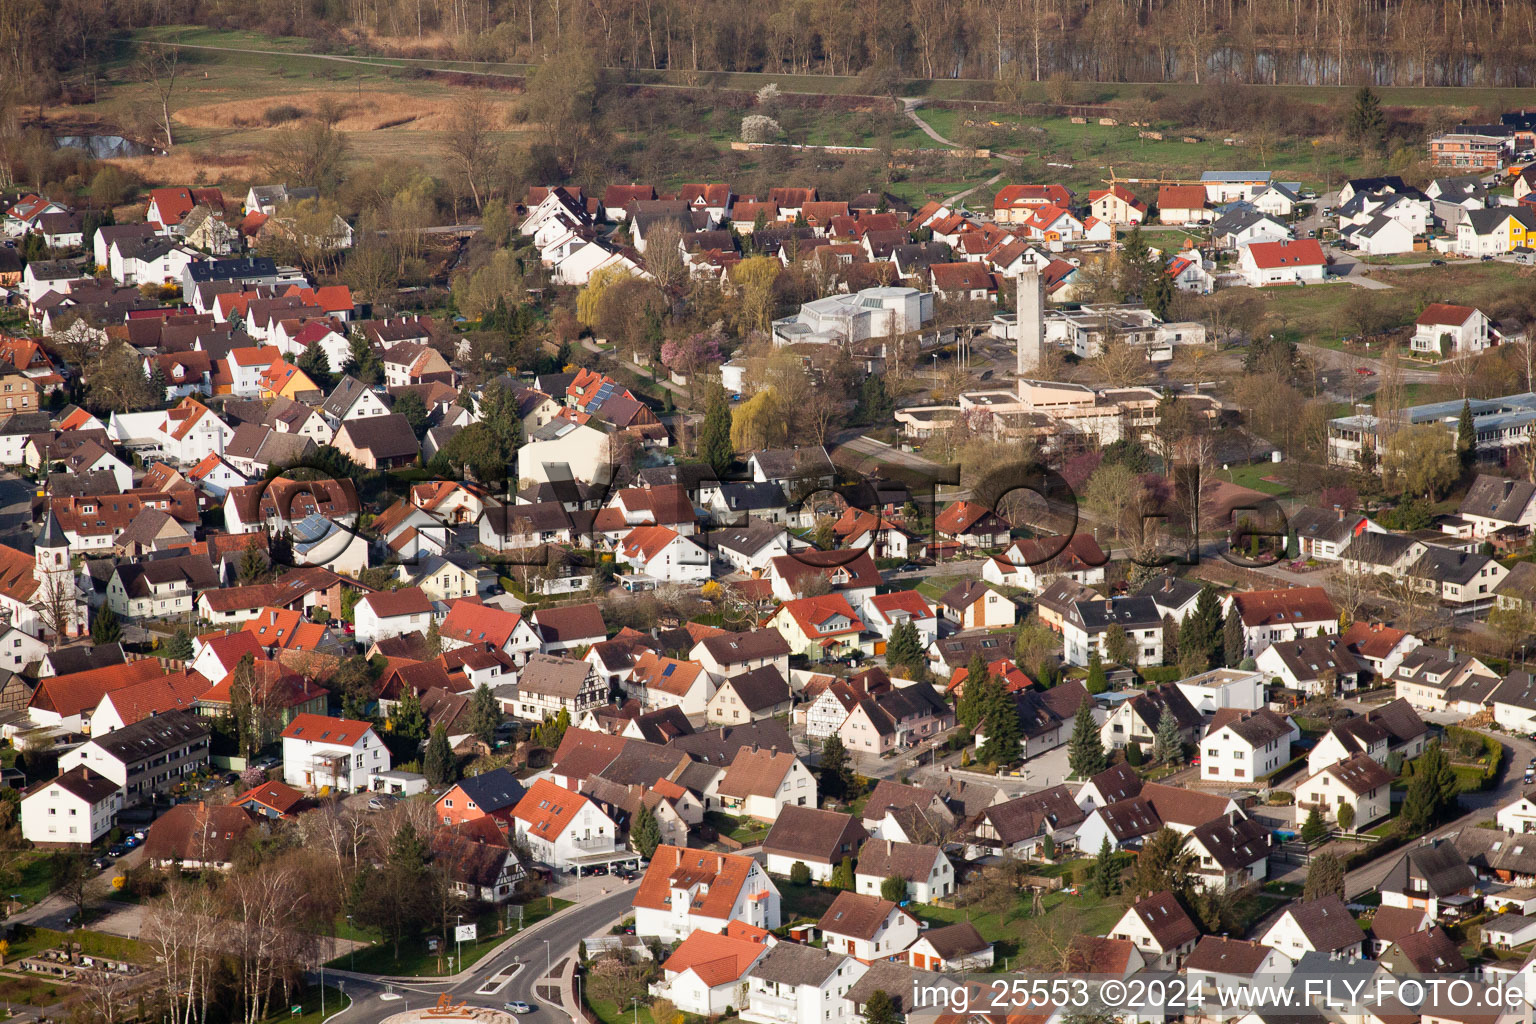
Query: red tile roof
(722,877)
(1282,607)
(82,691)
(1011,196)
(1444,314)
(1303,252)
(344,732)
(549,810)
(715,959)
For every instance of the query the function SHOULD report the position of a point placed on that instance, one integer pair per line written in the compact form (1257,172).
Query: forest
(44,46)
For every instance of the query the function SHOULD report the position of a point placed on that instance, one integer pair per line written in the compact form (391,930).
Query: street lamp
(352,953)
(635,1002)
(458,940)
(549,963)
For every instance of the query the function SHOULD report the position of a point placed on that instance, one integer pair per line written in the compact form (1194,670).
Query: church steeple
(52,550)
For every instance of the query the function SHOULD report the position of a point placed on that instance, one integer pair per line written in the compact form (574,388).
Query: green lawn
(29,941)
(1252,477)
(1008,932)
(612,1013)
(309,1007)
(804,901)
(935,587)
(416,961)
(36,877)
(32,990)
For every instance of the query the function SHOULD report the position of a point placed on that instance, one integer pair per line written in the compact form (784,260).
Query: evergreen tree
(1466,436)
(842,875)
(484,714)
(905,647)
(1170,639)
(434,640)
(715,435)
(1085,751)
(836,768)
(1431,790)
(179,646)
(645,833)
(1133,755)
(1345,814)
(973,692)
(1104,881)
(105,629)
(1167,748)
(1325,877)
(1365,123)
(1158,295)
(1000,718)
(894,889)
(1164,863)
(466,398)
(406,718)
(1200,638)
(1232,639)
(1137,264)
(253,562)
(317,365)
(439,766)
(879,1007)
(1097,682)
(1314,829)
(1118,647)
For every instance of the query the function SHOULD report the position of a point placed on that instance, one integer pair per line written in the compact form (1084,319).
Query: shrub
(760,128)
(800,874)
(281,114)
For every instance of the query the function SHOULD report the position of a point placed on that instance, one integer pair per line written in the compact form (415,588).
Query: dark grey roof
(85,784)
(1236,841)
(1125,612)
(718,746)
(1327,923)
(1497,497)
(749,496)
(748,538)
(232,270)
(1445,565)
(1381,549)
(347,391)
(760,689)
(1314,657)
(790,963)
(1518,689)
(67,661)
(386,437)
(794,463)
(1323,524)
(151,737)
(1439,866)
(493,790)
(730,648)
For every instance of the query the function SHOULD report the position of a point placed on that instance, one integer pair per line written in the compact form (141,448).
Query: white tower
(52,551)
(1030,306)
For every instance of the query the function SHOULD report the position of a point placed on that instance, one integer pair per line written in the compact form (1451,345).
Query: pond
(104,146)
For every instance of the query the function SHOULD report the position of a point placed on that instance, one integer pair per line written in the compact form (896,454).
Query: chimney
(1030,306)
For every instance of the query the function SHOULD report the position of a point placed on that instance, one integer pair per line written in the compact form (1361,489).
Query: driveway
(16,511)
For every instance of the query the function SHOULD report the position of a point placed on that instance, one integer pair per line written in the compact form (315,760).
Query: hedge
(1161,674)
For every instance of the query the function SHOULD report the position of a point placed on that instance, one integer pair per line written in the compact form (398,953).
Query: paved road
(1479,806)
(1334,359)
(592,915)
(16,512)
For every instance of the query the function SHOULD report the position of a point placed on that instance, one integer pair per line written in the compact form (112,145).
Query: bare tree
(158,66)
(470,143)
(664,256)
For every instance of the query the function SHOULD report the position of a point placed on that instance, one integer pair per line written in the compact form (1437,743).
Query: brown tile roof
(1169,925)
(855,914)
(1095,954)
(956,940)
(884,858)
(756,773)
(572,622)
(813,834)
(1431,951)
(1327,923)
(407,601)
(197,832)
(1360,773)
(1183,806)
(1284,607)
(1221,955)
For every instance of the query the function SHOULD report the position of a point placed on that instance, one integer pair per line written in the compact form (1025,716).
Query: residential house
(761,783)
(818,627)
(731,654)
(795,984)
(904,716)
(971,604)
(1284,262)
(493,794)
(750,696)
(561,827)
(378,442)
(1160,929)
(686,891)
(1444,329)
(1243,746)
(926,870)
(387,613)
(660,682)
(1322,534)
(817,838)
(955,947)
(1136,720)
(1497,505)
(1356,780)
(1086,624)
(1181,204)
(339,754)
(548,685)
(1270,616)
(75,809)
(1322,925)
(867,928)
(1318,665)
(705,973)
(1035,563)
(1433,877)
(971,525)
(147,758)
(663,554)
(197,837)
(1230,852)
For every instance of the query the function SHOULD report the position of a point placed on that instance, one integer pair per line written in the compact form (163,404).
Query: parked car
(116,850)
(1365,371)
(376,804)
(1437,263)
(1487,258)
(517,1007)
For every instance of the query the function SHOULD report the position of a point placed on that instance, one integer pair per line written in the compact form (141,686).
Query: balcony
(593,843)
(763,1006)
